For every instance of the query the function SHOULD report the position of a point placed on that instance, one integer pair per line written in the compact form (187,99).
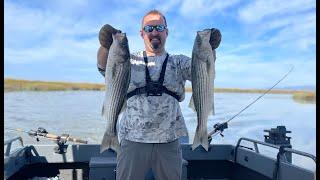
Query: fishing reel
(218,128)
(59,140)
(62,147)
(39,132)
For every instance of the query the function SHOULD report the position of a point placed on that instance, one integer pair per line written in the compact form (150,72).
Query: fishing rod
(220,127)
(41,132)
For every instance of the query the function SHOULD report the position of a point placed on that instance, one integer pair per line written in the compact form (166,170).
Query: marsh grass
(304,97)
(27,85)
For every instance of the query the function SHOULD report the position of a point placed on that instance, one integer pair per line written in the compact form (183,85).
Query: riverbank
(304,97)
(27,85)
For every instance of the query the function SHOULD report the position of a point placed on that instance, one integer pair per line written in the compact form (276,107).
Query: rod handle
(77,140)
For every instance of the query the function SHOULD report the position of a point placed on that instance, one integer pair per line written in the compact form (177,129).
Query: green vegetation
(304,97)
(26,85)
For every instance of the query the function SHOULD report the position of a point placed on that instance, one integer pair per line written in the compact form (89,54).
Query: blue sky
(57,40)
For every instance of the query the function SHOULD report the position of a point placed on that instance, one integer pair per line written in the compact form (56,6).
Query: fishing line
(220,127)
(260,96)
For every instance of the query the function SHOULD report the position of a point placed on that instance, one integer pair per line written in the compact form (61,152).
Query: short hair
(154,11)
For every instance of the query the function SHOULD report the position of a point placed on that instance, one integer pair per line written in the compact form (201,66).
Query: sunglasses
(149,28)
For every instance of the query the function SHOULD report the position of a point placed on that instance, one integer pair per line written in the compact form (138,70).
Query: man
(152,122)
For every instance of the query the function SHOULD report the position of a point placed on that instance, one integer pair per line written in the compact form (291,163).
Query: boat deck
(220,162)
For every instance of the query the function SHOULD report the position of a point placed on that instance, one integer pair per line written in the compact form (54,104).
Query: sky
(57,40)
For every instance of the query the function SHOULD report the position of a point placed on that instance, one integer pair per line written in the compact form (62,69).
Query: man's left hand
(105,35)
(215,38)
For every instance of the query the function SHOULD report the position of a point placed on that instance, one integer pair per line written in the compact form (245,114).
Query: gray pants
(135,159)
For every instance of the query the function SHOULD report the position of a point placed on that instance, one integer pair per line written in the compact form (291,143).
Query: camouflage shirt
(155,119)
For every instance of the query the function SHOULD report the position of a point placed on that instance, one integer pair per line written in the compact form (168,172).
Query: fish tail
(201,138)
(109,142)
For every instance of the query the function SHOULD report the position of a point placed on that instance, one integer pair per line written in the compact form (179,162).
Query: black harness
(153,88)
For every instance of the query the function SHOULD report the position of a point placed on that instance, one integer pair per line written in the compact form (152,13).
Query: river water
(78,113)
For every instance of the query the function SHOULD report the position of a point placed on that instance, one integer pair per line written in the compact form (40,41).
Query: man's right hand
(105,39)
(105,35)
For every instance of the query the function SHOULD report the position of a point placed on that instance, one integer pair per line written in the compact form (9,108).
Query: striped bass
(202,77)
(117,80)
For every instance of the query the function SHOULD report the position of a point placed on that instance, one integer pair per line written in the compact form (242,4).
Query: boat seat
(102,168)
(105,168)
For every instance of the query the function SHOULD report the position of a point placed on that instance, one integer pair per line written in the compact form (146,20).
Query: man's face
(155,40)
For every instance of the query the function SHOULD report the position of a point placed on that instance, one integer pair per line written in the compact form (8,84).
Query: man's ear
(141,33)
(167,32)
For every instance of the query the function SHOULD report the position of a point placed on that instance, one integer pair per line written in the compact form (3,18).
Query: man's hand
(215,38)
(105,35)
(105,39)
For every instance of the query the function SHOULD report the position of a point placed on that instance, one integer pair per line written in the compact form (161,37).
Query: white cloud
(24,25)
(261,9)
(289,25)
(28,55)
(68,34)
(286,21)
(43,34)
(21,24)
(200,8)
(63,50)
(165,7)
(251,71)
(33,35)
(298,35)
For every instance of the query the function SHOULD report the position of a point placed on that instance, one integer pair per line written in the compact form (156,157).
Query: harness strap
(143,90)
(153,88)
(163,70)
(148,78)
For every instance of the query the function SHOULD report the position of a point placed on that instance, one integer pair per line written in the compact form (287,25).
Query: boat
(222,161)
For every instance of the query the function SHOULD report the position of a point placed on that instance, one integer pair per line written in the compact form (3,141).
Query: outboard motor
(277,136)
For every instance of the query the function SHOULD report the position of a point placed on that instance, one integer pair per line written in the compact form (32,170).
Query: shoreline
(29,85)
(11,85)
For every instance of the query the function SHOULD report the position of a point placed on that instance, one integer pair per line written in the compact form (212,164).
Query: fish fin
(109,142)
(191,104)
(200,138)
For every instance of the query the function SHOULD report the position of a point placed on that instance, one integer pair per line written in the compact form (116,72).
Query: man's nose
(154,32)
